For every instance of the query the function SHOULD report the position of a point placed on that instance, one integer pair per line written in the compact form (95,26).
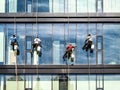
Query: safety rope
(16,70)
(87,52)
(68,42)
(37,36)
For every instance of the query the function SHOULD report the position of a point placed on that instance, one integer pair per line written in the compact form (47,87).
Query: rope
(87,52)
(37,35)
(16,71)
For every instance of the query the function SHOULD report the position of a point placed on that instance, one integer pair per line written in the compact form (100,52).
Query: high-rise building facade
(58,23)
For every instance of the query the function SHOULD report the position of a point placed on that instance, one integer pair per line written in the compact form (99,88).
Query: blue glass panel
(29,5)
(99,6)
(81,36)
(58,43)
(99,57)
(82,55)
(35,5)
(28,42)
(2,44)
(111,44)
(10,32)
(43,5)
(20,5)
(21,41)
(99,42)
(45,34)
(28,58)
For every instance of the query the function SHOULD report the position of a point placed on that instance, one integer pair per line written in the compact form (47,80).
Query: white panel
(2,6)
(55,85)
(12,6)
(56,52)
(111,85)
(2,47)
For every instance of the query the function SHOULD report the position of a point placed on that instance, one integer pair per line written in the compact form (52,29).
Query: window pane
(20,3)
(85,82)
(1,82)
(2,6)
(99,42)
(43,5)
(111,81)
(42,82)
(58,6)
(2,44)
(111,6)
(14,83)
(45,34)
(72,6)
(58,43)
(99,57)
(111,43)
(12,6)
(21,42)
(99,6)
(72,82)
(29,6)
(86,6)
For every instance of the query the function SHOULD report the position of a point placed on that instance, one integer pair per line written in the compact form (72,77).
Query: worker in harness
(88,44)
(14,44)
(69,52)
(37,46)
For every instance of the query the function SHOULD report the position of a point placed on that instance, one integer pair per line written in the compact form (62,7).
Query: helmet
(89,34)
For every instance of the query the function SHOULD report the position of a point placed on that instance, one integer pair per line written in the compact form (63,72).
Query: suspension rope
(37,36)
(68,42)
(88,58)
(16,71)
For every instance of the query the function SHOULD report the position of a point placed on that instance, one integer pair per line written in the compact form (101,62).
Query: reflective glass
(99,57)
(72,82)
(86,6)
(14,83)
(28,81)
(43,6)
(111,81)
(85,82)
(2,6)
(71,6)
(21,42)
(58,43)
(42,82)
(29,6)
(111,6)
(82,56)
(12,6)
(99,6)
(45,34)
(2,44)
(9,32)
(20,5)
(111,44)
(1,82)
(58,6)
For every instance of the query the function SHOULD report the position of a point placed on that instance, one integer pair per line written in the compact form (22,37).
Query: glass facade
(59,82)
(60,6)
(23,72)
(55,38)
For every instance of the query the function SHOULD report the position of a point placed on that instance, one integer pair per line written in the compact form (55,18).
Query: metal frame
(60,18)
(60,69)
